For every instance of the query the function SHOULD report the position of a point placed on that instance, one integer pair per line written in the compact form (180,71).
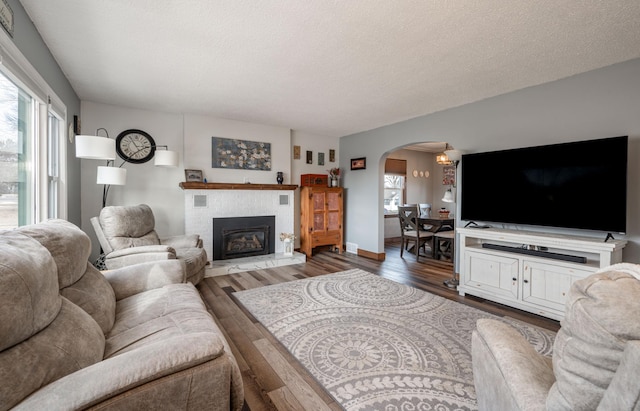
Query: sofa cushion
(590,343)
(71,342)
(94,294)
(28,288)
(69,246)
(129,226)
(156,315)
(79,281)
(43,336)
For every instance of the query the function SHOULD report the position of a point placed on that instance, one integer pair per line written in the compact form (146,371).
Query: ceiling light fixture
(443,158)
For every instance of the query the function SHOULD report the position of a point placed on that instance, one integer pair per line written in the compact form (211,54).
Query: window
(32,135)
(393,193)
(394,185)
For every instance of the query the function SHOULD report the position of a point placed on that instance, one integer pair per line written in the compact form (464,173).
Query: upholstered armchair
(127,235)
(596,354)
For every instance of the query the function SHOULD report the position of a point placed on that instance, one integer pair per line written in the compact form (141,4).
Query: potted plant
(334,175)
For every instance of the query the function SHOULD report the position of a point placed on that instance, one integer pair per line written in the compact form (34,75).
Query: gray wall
(28,40)
(597,104)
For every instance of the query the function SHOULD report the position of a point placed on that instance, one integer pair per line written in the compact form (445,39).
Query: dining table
(436,222)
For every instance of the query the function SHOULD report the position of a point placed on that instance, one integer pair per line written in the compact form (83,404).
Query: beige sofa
(73,338)
(596,357)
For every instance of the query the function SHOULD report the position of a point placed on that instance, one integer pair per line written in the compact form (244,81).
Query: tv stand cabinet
(506,272)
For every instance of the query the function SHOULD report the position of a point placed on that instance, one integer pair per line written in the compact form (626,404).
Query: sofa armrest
(137,255)
(623,392)
(182,241)
(148,365)
(137,278)
(144,249)
(508,372)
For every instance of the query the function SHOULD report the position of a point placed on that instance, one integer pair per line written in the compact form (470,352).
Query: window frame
(15,66)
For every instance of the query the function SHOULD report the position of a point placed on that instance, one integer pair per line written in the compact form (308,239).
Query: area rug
(375,344)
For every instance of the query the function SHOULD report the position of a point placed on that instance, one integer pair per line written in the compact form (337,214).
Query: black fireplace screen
(235,237)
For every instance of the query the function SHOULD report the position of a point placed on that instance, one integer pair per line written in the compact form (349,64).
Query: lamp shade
(453,155)
(448,196)
(95,148)
(112,176)
(166,158)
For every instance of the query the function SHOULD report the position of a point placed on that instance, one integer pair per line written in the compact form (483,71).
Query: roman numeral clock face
(135,146)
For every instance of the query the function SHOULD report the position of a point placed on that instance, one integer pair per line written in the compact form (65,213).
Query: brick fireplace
(206,201)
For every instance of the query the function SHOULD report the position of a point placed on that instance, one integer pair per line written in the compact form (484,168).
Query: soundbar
(537,253)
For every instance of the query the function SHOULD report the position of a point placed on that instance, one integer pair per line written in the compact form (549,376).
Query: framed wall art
(359,163)
(449,175)
(240,154)
(309,157)
(296,152)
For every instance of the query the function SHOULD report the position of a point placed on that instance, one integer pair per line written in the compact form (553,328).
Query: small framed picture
(359,163)
(309,157)
(296,152)
(193,176)
(332,155)
(320,159)
(449,175)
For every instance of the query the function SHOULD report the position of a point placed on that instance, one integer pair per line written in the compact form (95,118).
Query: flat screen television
(577,185)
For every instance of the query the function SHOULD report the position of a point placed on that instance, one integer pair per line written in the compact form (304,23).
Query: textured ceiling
(326,67)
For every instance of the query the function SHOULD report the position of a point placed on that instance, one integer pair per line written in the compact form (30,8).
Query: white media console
(529,270)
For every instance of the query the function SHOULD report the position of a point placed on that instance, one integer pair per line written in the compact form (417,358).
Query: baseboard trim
(371,255)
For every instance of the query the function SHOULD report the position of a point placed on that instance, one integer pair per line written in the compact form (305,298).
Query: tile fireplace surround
(205,201)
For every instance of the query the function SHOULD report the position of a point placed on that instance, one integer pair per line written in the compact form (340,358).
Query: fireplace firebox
(236,237)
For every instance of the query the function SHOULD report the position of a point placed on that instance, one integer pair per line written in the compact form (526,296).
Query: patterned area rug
(375,344)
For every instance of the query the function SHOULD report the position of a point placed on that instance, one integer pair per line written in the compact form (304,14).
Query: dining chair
(412,232)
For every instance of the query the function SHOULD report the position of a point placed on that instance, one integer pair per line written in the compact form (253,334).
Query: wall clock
(135,146)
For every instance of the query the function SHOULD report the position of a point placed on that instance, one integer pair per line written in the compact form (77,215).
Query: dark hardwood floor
(273,379)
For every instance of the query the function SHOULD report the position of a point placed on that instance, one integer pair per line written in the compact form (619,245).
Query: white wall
(198,131)
(190,135)
(156,186)
(602,103)
(317,144)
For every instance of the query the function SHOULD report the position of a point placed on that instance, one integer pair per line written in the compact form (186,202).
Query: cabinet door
(492,273)
(334,211)
(318,201)
(547,285)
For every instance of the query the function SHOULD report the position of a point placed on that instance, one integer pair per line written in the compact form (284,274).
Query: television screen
(580,185)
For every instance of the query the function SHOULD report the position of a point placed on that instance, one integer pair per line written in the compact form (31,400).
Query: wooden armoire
(321,214)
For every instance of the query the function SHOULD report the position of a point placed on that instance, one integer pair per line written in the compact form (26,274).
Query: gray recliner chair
(127,236)
(596,353)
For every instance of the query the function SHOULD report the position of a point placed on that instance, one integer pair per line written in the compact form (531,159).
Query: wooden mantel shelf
(235,186)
